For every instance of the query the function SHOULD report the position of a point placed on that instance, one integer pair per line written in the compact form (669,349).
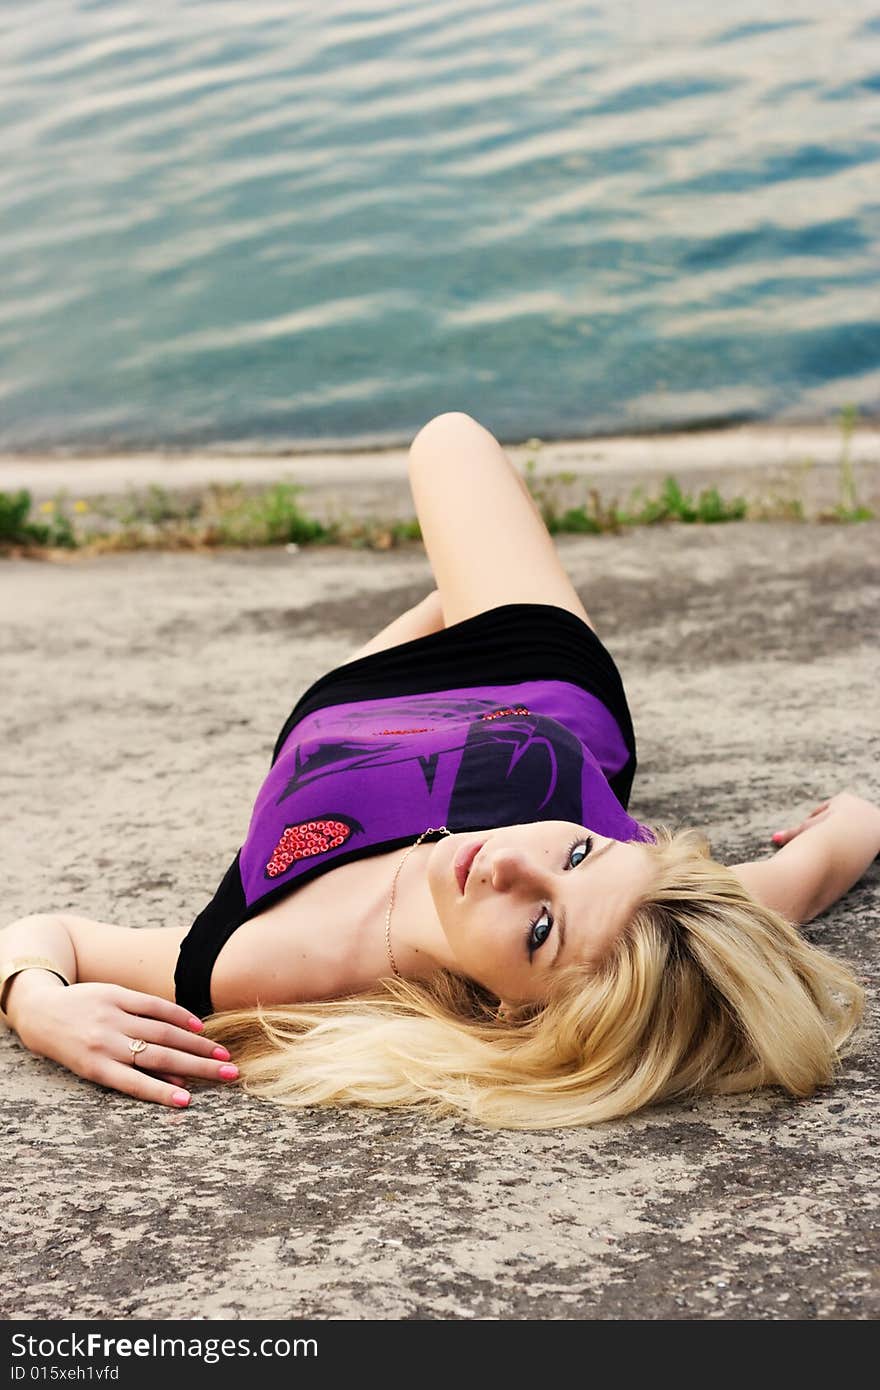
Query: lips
(463,861)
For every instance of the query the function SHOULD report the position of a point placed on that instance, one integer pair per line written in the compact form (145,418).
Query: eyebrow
(560,916)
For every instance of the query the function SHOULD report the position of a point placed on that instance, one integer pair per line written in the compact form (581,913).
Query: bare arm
(117,977)
(85,950)
(820,859)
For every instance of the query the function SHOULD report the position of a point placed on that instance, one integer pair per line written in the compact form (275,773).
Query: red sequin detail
(501,713)
(428,729)
(304,840)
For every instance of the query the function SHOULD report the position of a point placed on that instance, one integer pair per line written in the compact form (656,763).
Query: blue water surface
(281,225)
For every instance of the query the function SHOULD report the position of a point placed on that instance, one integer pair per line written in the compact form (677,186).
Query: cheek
(492,946)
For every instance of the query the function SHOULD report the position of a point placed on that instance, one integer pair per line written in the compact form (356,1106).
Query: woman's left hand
(782,837)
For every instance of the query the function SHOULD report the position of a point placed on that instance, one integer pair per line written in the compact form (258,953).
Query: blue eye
(539,930)
(542,926)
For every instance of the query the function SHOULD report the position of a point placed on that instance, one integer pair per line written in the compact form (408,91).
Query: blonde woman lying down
(442,899)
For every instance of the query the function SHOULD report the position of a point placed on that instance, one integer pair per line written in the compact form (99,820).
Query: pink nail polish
(180,1097)
(220,1054)
(229,1073)
(195,1024)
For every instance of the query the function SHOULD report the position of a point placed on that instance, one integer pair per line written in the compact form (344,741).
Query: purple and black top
(515,715)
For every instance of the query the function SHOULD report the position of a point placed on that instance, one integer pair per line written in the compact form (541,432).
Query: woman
(498,937)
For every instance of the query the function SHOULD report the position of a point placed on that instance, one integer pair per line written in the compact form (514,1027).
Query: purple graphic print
(473,759)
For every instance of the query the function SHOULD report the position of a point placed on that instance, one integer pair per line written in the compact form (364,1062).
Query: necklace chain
(440,830)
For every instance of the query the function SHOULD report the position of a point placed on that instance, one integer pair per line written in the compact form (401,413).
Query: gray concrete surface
(142,695)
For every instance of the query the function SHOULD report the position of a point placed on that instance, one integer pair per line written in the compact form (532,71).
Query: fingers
(169,1035)
(166,1087)
(174,1048)
(176,1081)
(174,1051)
(131,1081)
(134,1001)
(170,1059)
(782,837)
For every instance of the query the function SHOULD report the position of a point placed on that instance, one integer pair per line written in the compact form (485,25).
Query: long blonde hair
(704,990)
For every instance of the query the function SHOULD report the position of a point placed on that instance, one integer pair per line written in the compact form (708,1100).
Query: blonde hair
(704,990)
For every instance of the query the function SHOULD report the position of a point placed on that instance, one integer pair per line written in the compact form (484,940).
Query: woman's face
(537,897)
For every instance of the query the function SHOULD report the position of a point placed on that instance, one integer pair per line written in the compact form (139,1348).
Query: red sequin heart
(304,840)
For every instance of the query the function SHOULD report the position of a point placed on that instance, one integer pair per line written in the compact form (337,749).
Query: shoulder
(304,946)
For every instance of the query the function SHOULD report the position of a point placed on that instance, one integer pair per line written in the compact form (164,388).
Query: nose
(512,868)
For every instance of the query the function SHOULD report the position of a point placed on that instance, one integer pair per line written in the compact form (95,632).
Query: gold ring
(135,1045)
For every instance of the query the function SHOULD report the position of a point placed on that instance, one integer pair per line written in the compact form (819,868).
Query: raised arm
(819,859)
(120,989)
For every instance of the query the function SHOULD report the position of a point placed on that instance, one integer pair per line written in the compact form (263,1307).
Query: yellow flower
(47,506)
(80,506)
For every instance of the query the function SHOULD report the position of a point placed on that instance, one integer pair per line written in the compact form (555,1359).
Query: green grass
(595,516)
(237,516)
(848,507)
(273,517)
(17,527)
(708,508)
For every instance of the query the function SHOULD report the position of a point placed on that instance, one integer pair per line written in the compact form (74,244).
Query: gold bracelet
(25,963)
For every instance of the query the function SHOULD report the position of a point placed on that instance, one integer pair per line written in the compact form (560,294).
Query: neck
(417,936)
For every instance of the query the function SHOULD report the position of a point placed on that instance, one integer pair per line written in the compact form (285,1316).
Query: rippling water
(288,224)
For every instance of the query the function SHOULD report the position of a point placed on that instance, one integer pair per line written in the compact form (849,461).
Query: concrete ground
(142,697)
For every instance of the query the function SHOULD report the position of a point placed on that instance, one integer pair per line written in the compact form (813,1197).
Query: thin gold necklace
(440,830)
